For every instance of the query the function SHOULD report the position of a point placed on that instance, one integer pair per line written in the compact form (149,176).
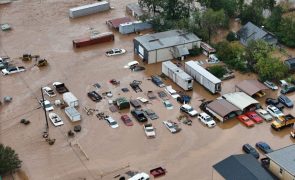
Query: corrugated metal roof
(242,167)
(284,157)
(203,71)
(166,39)
(222,107)
(251,32)
(89,5)
(251,86)
(240,99)
(135,8)
(115,23)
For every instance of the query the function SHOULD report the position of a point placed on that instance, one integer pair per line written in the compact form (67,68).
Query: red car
(254,117)
(245,120)
(126,119)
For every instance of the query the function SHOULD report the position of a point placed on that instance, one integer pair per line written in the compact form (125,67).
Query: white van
(140,176)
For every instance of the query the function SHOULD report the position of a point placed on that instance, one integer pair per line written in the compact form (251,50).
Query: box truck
(94,39)
(202,76)
(177,75)
(70,99)
(73,114)
(89,9)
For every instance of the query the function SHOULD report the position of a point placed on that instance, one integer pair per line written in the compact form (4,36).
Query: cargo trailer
(70,99)
(89,9)
(177,75)
(95,39)
(202,76)
(73,114)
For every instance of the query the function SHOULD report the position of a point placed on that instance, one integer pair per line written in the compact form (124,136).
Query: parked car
(283,83)
(246,121)
(116,51)
(275,112)
(288,89)
(113,123)
(260,94)
(168,105)
(172,92)
(247,148)
(48,91)
(264,147)
(13,69)
(157,81)
(274,102)
(48,106)
(151,114)
(264,114)
(126,119)
(206,119)
(172,127)
(254,117)
(135,103)
(149,130)
(286,101)
(139,115)
(94,96)
(270,85)
(55,119)
(188,110)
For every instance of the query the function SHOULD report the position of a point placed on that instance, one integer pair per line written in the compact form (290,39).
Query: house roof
(285,158)
(290,61)
(242,167)
(166,39)
(115,23)
(251,32)
(239,99)
(222,107)
(135,8)
(251,86)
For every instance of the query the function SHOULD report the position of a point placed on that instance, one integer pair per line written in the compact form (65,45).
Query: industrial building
(163,46)
(251,87)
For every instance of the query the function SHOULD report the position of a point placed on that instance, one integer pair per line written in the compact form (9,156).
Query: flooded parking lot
(43,27)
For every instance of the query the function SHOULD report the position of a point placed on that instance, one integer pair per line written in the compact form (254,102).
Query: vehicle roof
(204,114)
(186,106)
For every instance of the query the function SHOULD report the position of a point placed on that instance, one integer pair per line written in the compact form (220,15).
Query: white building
(242,101)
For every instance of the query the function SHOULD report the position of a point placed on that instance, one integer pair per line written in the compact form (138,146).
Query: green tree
(252,13)
(270,68)
(287,32)
(274,20)
(9,160)
(217,70)
(150,5)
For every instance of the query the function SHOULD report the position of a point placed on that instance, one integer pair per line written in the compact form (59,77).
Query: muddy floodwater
(98,151)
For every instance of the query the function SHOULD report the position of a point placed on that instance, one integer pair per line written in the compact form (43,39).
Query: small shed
(122,103)
(290,63)
(242,101)
(134,10)
(240,167)
(115,23)
(222,109)
(251,86)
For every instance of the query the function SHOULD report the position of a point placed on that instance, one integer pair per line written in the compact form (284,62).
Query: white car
(172,127)
(115,51)
(206,119)
(47,90)
(264,114)
(143,100)
(48,105)
(188,110)
(270,85)
(274,111)
(55,119)
(168,105)
(131,64)
(13,69)
(172,92)
(113,123)
(149,130)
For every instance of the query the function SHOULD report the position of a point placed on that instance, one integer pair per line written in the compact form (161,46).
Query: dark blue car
(157,81)
(286,101)
(264,147)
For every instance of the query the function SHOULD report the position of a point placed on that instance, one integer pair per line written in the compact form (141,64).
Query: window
(281,170)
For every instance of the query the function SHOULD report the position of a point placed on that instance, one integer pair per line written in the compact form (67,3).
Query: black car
(157,81)
(286,101)
(264,147)
(247,148)
(274,102)
(94,96)
(183,99)
(288,89)
(139,115)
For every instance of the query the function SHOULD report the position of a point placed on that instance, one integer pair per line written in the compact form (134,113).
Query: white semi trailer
(202,76)
(177,75)
(89,9)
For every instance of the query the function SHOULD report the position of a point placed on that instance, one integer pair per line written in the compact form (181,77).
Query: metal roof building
(240,167)
(164,46)
(282,162)
(135,10)
(241,100)
(115,23)
(290,63)
(251,86)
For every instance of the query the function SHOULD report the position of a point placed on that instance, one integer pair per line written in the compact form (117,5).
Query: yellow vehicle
(283,121)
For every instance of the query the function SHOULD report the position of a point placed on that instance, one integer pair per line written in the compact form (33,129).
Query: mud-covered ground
(43,27)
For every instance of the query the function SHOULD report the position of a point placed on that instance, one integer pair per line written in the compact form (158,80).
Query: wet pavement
(43,27)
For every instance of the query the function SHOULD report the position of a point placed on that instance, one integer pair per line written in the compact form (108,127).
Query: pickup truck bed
(61,88)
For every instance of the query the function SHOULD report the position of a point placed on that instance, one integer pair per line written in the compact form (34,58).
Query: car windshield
(50,91)
(190,109)
(47,105)
(276,111)
(168,104)
(113,123)
(149,130)
(208,119)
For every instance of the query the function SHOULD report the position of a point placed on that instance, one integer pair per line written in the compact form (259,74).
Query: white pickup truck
(13,69)
(149,130)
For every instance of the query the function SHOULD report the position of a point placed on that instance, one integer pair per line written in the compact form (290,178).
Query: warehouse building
(252,87)
(242,101)
(163,46)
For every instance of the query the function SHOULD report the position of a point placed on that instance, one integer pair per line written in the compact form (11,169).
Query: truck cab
(283,121)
